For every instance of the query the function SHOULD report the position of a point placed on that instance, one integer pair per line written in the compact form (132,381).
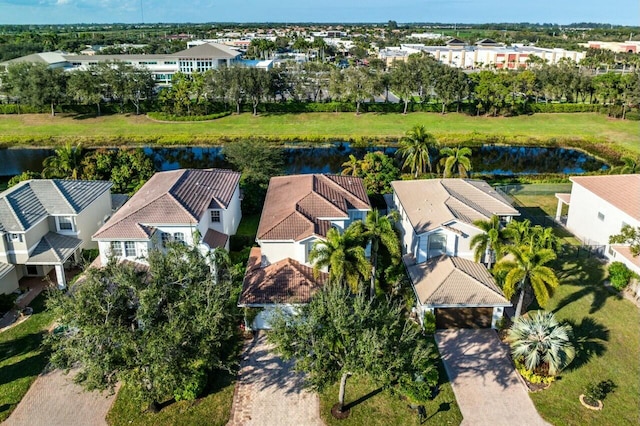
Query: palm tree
(414,147)
(344,255)
(352,167)
(527,269)
(541,342)
(378,229)
(545,238)
(489,243)
(455,158)
(518,232)
(66,163)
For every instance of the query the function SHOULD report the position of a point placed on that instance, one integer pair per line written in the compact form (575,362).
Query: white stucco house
(298,211)
(197,207)
(436,227)
(45,223)
(599,206)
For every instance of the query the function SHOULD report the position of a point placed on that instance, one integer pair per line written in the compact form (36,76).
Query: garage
(463,317)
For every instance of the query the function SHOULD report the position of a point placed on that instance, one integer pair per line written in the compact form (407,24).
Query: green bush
(239,242)
(161,116)
(532,377)
(619,275)
(595,392)
(193,388)
(419,389)
(429,322)
(564,108)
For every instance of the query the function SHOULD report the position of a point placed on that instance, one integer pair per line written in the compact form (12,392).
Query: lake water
(328,158)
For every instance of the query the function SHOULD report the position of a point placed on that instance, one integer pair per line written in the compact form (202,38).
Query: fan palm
(66,163)
(455,159)
(541,342)
(527,269)
(344,255)
(378,229)
(488,243)
(414,148)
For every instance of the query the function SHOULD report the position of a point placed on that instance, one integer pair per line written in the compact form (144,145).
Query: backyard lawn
(42,129)
(213,409)
(22,358)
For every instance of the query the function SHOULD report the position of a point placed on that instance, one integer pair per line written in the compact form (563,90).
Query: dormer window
(215,216)
(65,223)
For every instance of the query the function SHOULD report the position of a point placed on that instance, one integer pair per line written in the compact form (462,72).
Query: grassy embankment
(593,132)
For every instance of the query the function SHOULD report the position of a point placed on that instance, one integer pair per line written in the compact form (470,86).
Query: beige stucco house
(436,227)
(197,207)
(45,223)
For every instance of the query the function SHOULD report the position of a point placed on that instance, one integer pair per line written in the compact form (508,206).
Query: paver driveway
(54,400)
(487,387)
(269,393)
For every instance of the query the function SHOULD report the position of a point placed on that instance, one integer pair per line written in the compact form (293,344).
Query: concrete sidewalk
(487,387)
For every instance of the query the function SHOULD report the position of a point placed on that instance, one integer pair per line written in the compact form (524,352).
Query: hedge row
(162,116)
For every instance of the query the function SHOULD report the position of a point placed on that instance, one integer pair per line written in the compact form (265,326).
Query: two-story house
(45,223)
(436,227)
(298,211)
(599,206)
(196,207)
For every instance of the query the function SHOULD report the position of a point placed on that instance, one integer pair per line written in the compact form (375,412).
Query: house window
(215,216)
(14,237)
(437,244)
(130,248)
(601,216)
(116,248)
(65,223)
(179,237)
(166,238)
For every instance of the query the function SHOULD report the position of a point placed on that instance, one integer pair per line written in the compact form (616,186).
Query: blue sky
(623,12)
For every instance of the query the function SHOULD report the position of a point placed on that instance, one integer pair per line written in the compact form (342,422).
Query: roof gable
(208,50)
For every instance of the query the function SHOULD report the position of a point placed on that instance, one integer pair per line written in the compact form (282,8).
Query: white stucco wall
(89,220)
(9,282)
(583,218)
(261,321)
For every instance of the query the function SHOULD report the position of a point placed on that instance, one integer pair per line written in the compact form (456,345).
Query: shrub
(619,275)
(429,322)
(239,242)
(595,392)
(193,388)
(161,116)
(532,377)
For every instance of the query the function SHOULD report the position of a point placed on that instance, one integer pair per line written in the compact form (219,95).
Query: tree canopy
(161,331)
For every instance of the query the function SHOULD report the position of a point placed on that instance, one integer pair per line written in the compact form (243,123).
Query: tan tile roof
(215,239)
(286,281)
(565,198)
(622,191)
(433,202)
(294,204)
(174,197)
(625,251)
(451,281)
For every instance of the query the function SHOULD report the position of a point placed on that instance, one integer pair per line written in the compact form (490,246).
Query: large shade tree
(527,269)
(339,334)
(161,332)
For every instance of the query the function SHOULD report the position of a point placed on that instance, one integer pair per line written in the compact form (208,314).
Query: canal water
(328,158)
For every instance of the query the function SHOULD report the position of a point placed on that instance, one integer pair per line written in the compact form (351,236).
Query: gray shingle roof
(52,249)
(23,205)
(177,197)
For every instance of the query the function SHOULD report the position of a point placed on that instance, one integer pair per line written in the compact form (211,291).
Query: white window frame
(115,248)
(166,238)
(59,223)
(128,246)
(216,216)
(179,237)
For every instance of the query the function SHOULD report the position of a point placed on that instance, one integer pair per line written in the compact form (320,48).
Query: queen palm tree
(518,232)
(527,269)
(488,243)
(377,229)
(344,255)
(352,167)
(455,159)
(541,341)
(414,148)
(66,163)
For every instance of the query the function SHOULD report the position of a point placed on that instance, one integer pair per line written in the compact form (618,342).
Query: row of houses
(44,224)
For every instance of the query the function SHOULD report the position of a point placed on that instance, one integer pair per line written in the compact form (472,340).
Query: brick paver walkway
(54,400)
(269,393)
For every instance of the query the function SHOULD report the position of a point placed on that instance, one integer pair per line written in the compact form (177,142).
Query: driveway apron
(487,387)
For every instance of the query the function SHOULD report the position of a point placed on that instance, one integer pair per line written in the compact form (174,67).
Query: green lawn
(22,357)
(381,407)
(214,409)
(248,226)
(43,129)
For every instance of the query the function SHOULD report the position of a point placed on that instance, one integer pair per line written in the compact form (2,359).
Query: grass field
(43,129)
(22,357)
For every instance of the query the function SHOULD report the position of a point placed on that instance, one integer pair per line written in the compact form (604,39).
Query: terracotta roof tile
(622,191)
(215,239)
(294,204)
(286,281)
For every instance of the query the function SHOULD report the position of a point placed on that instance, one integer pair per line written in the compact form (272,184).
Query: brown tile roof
(178,196)
(454,281)
(622,191)
(286,281)
(294,204)
(215,239)
(433,202)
